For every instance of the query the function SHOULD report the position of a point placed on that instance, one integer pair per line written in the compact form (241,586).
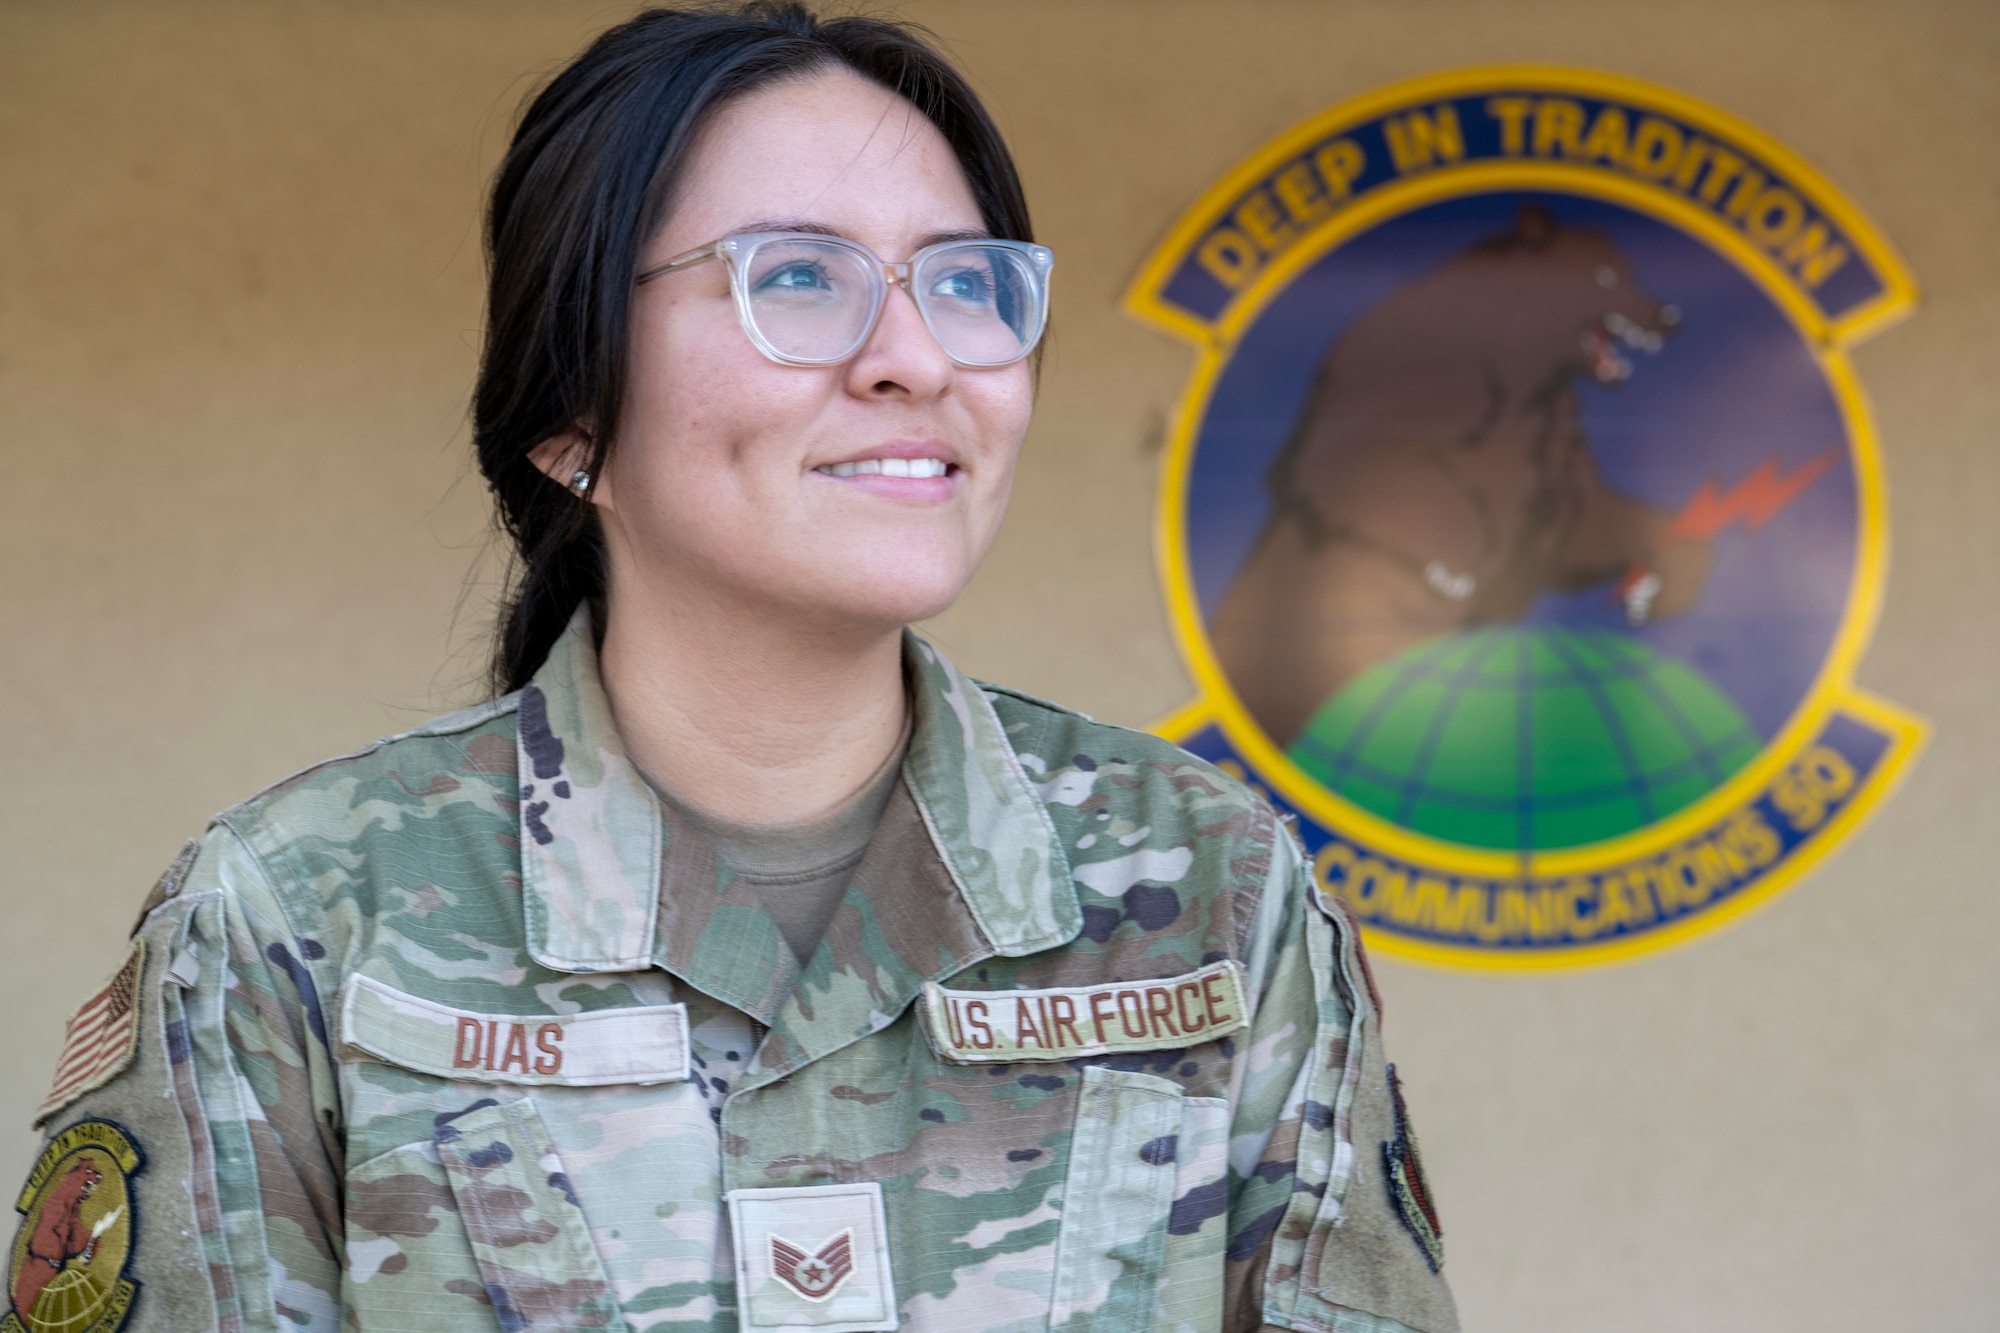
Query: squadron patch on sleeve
(1408,1190)
(101,1038)
(78,1234)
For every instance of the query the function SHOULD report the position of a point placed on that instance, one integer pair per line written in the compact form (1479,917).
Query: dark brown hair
(586,181)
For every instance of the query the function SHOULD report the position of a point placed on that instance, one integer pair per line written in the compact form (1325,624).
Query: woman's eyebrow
(811,228)
(787,224)
(969,234)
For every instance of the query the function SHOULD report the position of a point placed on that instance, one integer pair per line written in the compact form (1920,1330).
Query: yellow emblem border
(1832,690)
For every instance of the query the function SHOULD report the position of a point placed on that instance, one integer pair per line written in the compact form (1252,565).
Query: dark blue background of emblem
(1735,386)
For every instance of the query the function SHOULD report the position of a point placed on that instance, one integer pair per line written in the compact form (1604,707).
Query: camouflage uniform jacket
(464,1031)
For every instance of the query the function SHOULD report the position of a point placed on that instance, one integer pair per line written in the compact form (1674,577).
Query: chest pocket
(1147,1181)
(477,1224)
(489,1188)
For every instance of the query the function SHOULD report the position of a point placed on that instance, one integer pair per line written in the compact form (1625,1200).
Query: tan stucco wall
(239,284)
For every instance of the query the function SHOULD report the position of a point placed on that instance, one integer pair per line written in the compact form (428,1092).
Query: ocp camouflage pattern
(510,861)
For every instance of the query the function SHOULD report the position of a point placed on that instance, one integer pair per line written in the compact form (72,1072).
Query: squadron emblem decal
(1522,522)
(78,1235)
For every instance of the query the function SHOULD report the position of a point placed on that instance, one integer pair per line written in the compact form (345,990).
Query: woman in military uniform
(742,964)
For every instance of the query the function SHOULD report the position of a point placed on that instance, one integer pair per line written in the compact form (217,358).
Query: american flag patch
(101,1038)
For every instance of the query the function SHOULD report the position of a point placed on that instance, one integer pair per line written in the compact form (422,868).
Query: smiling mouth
(920,468)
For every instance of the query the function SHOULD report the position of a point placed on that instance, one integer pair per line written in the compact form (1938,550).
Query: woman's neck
(750,717)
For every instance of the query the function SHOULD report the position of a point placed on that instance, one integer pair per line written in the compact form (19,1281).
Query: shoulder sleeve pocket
(109,1213)
(1374,1247)
(1378,1248)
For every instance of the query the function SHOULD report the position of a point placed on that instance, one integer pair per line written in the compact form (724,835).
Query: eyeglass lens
(815,301)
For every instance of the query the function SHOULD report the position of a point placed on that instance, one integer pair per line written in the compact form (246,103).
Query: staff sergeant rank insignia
(1522,522)
(816,1276)
(78,1235)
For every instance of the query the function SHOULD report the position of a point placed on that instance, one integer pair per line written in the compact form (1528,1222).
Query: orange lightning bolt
(1756,500)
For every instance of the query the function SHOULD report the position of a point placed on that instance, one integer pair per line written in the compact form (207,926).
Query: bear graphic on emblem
(1437,478)
(61,1246)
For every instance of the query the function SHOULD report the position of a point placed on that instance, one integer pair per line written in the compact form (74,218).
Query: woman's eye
(795,278)
(964,285)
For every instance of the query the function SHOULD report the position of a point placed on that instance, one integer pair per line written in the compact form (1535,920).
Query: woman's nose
(901,356)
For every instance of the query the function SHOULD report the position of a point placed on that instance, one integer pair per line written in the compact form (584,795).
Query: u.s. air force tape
(972,1026)
(641,1044)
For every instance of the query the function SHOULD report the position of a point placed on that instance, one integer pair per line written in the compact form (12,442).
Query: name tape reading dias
(636,1045)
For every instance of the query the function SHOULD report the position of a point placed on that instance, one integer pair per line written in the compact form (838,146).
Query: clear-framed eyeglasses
(809,300)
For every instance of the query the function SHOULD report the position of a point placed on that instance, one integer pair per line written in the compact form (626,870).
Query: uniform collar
(604,891)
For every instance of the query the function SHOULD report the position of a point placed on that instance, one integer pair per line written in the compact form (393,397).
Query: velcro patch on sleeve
(971,1027)
(102,1036)
(1409,1191)
(73,1258)
(645,1044)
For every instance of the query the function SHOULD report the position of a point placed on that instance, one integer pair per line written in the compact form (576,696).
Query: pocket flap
(646,1044)
(529,1237)
(1117,1201)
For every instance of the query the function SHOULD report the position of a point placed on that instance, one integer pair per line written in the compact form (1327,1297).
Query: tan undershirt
(801,871)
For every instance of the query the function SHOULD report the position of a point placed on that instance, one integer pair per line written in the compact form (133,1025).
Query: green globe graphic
(71,1300)
(1526,737)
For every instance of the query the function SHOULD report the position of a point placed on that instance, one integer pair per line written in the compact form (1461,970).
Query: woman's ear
(564,459)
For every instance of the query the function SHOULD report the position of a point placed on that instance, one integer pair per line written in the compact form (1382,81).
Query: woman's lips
(887,467)
(923,477)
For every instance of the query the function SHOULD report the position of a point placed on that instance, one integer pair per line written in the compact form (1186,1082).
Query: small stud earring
(580,483)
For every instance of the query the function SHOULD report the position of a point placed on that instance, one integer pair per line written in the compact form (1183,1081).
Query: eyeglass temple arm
(708,251)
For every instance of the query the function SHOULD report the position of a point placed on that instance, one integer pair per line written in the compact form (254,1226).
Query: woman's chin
(870,597)
(880,578)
